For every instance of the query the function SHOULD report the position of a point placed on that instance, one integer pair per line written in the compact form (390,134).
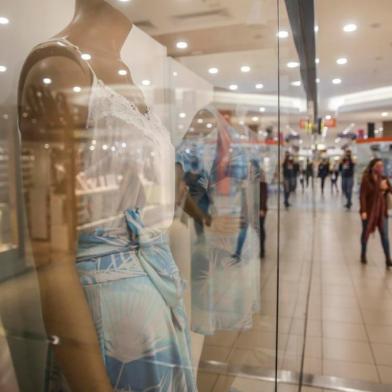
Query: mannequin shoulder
(51,83)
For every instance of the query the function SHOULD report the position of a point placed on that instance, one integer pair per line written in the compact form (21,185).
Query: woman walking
(374,191)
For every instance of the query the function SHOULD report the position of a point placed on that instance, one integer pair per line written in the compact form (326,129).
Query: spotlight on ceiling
(350,27)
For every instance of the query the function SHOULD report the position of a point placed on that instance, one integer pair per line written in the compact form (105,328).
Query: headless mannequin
(99,30)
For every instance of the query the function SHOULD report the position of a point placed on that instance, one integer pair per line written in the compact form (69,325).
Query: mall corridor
(348,313)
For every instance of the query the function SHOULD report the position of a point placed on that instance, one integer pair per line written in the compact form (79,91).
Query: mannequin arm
(64,307)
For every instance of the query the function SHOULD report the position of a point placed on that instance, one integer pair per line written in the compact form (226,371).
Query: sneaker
(363,259)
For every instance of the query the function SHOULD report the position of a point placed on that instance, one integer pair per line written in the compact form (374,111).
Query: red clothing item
(373,201)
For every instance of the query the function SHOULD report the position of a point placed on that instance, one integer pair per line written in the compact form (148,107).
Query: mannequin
(55,90)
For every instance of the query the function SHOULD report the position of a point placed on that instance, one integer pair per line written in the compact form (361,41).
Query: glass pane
(142,155)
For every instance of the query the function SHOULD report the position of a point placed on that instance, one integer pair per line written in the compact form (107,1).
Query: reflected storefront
(140,225)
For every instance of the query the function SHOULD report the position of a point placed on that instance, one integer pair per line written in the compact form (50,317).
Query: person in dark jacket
(263,211)
(289,177)
(323,172)
(346,169)
(374,191)
(309,172)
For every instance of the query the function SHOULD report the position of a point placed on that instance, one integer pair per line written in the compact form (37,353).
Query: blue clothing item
(347,188)
(384,237)
(134,291)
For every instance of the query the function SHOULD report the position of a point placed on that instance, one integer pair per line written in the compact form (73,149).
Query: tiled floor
(348,316)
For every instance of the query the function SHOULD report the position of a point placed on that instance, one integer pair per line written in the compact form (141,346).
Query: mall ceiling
(230,34)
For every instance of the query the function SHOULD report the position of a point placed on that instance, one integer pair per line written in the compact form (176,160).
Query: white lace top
(130,158)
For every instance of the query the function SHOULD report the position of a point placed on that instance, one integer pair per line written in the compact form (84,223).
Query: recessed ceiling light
(336,81)
(328,117)
(122,72)
(86,56)
(47,80)
(262,110)
(175,73)
(77,89)
(350,27)
(200,121)
(3,68)
(4,20)
(317,80)
(92,148)
(209,125)
(341,61)
(255,119)
(213,71)
(292,64)
(182,115)
(182,45)
(384,114)
(316,29)
(297,83)
(233,87)
(146,82)
(317,60)
(259,86)
(105,147)
(245,68)
(282,34)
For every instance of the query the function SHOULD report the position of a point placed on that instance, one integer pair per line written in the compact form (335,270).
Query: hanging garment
(225,266)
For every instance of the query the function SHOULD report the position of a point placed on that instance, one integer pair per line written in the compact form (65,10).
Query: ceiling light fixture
(86,56)
(122,72)
(47,81)
(316,29)
(146,82)
(3,68)
(233,87)
(317,80)
(350,27)
(259,86)
(342,61)
(282,34)
(182,45)
(262,110)
(317,60)
(384,114)
(175,73)
(336,81)
(77,89)
(4,20)
(245,68)
(182,115)
(292,64)
(297,83)
(255,119)
(213,71)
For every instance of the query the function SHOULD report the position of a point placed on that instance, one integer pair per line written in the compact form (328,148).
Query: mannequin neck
(99,27)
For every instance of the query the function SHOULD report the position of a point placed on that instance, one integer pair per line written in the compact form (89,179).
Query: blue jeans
(383,236)
(347,188)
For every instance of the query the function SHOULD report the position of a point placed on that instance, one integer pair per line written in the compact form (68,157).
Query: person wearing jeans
(347,168)
(374,191)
